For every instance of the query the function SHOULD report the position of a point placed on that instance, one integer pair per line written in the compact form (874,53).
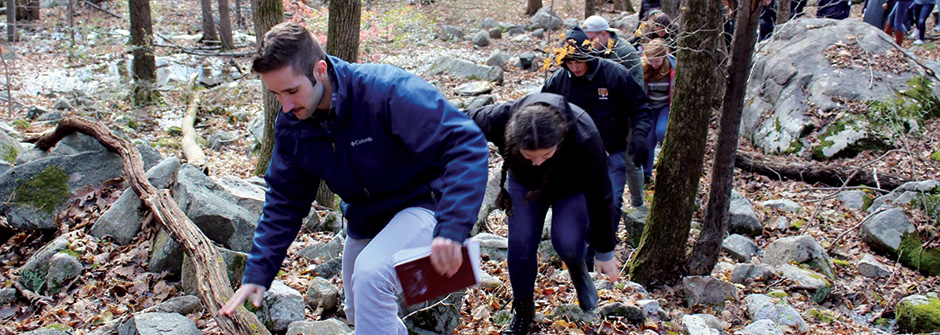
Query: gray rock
(63,267)
(489,23)
(903,194)
(29,155)
(329,269)
(548,254)
(324,251)
(744,272)
(256,129)
(636,288)
(495,33)
(45,331)
(701,324)
(870,267)
(33,273)
(722,269)
(707,290)
(634,220)
(545,18)
(220,138)
(521,39)
(159,323)
(214,211)
(526,60)
(450,33)
(234,268)
(440,316)
(183,305)
(7,295)
(761,327)
(515,30)
(247,195)
(465,69)
(9,148)
(497,58)
(474,88)
(488,281)
(122,220)
(489,197)
(282,305)
(802,250)
(332,222)
(761,307)
(4,166)
(785,205)
(599,283)
(480,101)
(883,231)
(741,216)
(165,254)
(651,308)
(321,294)
(815,284)
(778,223)
(854,199)
(740,248)
(573,313)
(569,23)
(791,76)
(494,246)
(538,33)
(325,327)
(631,312)
(481,38)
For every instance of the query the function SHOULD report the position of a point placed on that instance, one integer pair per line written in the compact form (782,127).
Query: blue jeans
(621,170)
(656,135)
(569,233)
(898,17)
(922,12)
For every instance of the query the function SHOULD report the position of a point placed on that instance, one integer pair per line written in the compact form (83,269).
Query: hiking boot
(523,313)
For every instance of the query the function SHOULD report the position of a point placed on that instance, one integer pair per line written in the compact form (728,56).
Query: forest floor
(401,34)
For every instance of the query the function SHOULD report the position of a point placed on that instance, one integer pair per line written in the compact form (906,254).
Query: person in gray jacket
(610,46)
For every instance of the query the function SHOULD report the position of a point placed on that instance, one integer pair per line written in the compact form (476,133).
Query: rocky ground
(51,75)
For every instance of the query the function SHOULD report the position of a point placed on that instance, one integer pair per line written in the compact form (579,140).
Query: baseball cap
(596,23)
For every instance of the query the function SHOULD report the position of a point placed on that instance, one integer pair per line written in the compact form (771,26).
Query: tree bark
(238,13)
(343,36)
(589,8)
(813,172)
(671,8)
(11,21)
(266,14)
(225,26)
(705,253)
(212,281)
(144,64)
(208,23)
(34,6)
(533,7)
(658,259)
(324,196)
(624,5)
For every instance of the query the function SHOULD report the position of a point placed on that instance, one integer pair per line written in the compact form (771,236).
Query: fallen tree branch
(191,149)
(212,283)
(200,52)
(813,172)
(102,9)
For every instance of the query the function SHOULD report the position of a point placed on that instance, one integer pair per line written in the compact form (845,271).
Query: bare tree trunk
(624,5)
(658,259)
(238,13)
(225,25)
(144,64)
(671,8)
(343,37)
(33,10)
(208,23)
(705,253)
(11,21)
(266,14)
(532,7)
(779,168)
(589,7)
(212,282)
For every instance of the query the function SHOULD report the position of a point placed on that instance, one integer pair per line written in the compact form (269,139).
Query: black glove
(640,150)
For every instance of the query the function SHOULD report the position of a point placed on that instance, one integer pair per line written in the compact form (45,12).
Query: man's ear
(319,70)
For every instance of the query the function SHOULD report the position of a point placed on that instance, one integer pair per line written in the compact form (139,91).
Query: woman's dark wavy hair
(532,127)
(288,43)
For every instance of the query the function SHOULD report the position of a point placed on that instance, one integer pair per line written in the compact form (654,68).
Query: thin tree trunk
(71,22)
(11,21)
(589,7)
(144,64)
(343,29)
(533,7)
(705,253)
(212,282)
(208,23)
(225,25)
(671,8)
(33,10)
(658,259)
(266,14)
(238,13)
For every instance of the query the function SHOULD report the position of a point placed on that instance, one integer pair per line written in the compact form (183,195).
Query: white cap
(595,23)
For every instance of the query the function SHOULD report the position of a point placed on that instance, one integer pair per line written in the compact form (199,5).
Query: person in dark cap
(619,106)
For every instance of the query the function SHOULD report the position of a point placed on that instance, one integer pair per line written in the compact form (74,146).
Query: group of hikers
(412,169)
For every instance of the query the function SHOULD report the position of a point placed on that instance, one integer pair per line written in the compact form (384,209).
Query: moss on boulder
(915,256)
(918,314)
(46,191)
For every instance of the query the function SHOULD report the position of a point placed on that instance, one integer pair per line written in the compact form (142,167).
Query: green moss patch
(919,318)
(915,256)
(46,191)
(822,315)
(10,153)
(930,203)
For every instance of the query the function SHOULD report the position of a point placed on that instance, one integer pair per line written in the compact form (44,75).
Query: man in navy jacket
(411,167)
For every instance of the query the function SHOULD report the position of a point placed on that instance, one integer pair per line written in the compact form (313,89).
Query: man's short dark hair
(288,43)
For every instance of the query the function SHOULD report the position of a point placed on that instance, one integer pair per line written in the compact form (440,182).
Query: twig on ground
(102,9)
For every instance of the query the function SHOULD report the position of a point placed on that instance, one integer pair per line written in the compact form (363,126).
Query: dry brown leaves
(845,55)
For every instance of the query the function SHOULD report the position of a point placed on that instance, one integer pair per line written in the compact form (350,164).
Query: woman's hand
(610,268)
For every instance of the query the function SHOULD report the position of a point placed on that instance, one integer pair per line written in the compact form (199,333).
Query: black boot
(583,284)
(523,313)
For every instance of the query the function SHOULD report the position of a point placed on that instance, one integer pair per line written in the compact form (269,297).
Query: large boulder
(214,210)
(33,274)
(883,231)
(122,220)
(282,305)
(742,219)
(811,83)
(159,324)
(802,250)
(764,307)
(918,314)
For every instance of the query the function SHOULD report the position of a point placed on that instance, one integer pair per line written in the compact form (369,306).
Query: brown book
(420,282)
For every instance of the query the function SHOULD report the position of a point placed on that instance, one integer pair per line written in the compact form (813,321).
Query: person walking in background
(553,157)
(896,20)
(658,25)
(607,44)
(922,9)
(411,168)
(658,73)
(768,19)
